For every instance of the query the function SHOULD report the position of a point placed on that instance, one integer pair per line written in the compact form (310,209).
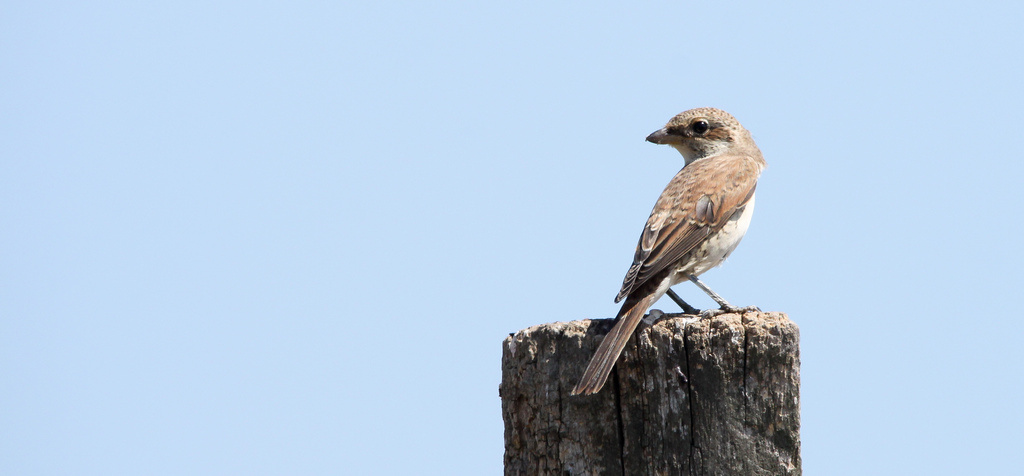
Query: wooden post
(689,396)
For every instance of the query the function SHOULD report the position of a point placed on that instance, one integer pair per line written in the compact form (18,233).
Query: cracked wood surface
(689,396)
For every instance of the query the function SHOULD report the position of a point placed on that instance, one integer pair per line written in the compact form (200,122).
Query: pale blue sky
(289,237)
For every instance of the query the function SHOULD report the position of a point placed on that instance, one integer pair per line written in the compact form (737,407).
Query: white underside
(725,241)
(716,249)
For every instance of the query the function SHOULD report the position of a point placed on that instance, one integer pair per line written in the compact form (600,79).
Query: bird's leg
(721,302)
(679,301)
(726,307)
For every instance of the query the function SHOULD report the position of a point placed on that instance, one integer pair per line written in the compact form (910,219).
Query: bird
(696,223)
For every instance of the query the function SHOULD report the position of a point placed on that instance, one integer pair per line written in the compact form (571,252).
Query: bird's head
(702,132)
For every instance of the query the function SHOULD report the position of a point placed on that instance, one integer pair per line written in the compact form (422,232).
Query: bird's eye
(700,127)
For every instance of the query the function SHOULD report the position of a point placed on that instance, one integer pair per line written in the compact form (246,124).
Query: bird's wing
(698,201)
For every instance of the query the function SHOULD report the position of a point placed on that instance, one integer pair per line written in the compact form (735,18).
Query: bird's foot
(653,316)
(709,313)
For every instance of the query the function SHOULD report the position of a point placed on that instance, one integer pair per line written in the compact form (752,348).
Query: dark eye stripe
(676,130)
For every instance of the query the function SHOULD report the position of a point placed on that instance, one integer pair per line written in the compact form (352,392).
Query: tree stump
(688,396)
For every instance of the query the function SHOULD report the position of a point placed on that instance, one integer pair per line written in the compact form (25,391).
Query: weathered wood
(689,396)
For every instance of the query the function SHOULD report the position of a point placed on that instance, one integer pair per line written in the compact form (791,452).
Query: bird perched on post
(697,221)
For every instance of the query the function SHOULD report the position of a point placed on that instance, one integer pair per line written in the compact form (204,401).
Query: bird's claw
(653,316)
(709,313)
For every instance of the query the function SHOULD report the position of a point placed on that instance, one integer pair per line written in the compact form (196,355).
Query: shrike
(697,221)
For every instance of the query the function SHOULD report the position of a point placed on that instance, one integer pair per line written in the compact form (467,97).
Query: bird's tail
(601,364)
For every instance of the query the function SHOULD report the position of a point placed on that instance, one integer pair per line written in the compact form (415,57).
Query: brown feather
(693,206)
(603,361)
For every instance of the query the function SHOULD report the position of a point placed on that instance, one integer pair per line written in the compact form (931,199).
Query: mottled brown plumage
(697,221)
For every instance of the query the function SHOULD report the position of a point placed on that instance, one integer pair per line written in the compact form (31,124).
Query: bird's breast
(713,251)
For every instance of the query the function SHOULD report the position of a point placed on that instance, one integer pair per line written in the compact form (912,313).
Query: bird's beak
(662,136)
